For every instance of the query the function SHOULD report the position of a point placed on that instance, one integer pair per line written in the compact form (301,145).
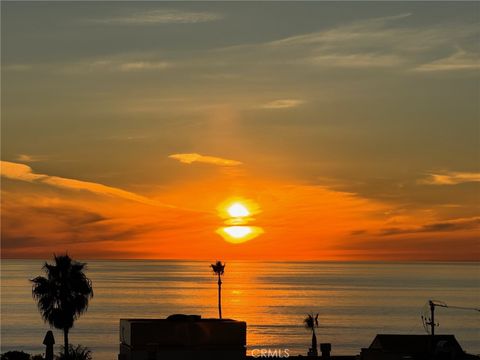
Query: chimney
(326,348)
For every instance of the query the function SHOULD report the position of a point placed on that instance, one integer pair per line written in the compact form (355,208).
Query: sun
(238,210)
(237,215)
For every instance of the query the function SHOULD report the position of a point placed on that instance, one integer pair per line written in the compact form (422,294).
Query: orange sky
(350,132)
(43,214)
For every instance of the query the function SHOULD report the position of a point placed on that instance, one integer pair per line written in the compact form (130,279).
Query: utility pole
(430,322)
(432,317)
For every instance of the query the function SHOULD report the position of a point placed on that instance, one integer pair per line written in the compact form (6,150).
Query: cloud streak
(119,63)
(445,226)
(383,42)
(163,16)
(190,158)
(30,158)
(461,60)
(23,172)
(17,67)
(144,65)
(450,178)
(357,30)
(282,104)
(356,60)
(373,43)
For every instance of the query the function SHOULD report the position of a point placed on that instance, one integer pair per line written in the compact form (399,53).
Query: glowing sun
(238,210)
(237,215)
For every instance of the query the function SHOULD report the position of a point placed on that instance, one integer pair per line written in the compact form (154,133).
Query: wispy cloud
(119,63)
(23,172)
(357,30)
(366,43)
(444,226)
(213,160)
(385,42)
(17,67)
(143,65)
(461,60)
(30,158)
(164,16)
(27,225)
(356,60)
(282,104)
(450,178)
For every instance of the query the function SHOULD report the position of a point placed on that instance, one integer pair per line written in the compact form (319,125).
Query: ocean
(355,301)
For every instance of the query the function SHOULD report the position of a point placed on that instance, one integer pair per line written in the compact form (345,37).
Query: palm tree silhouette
(63,295)
(311,323)
(218,269)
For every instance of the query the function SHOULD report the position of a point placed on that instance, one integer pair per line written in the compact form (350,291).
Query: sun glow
(238,210)
(239,234)
(237,214)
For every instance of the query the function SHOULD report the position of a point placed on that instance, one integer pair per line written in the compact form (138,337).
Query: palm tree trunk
(65,343)
(219,297)
(314,342)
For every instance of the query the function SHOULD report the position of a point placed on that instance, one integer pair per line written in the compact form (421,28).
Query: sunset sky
(349,131)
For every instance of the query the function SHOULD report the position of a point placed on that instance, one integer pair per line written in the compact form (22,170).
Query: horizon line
(406,261)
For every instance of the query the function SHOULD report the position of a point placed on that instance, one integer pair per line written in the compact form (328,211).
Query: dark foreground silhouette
(185,337)
(63,294)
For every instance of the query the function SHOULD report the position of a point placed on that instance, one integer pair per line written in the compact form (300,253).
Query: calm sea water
(355,301)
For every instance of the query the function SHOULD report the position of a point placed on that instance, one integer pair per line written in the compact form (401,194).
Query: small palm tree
(63,295)
(218,269)
(311,322)
(78,352)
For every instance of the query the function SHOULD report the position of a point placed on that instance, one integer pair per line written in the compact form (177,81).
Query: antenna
(428,314)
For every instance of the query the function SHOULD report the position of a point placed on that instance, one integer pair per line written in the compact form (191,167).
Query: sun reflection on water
(239,234)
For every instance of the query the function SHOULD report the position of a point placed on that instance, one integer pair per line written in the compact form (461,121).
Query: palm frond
(64,294)
(218,268)
(311,321)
